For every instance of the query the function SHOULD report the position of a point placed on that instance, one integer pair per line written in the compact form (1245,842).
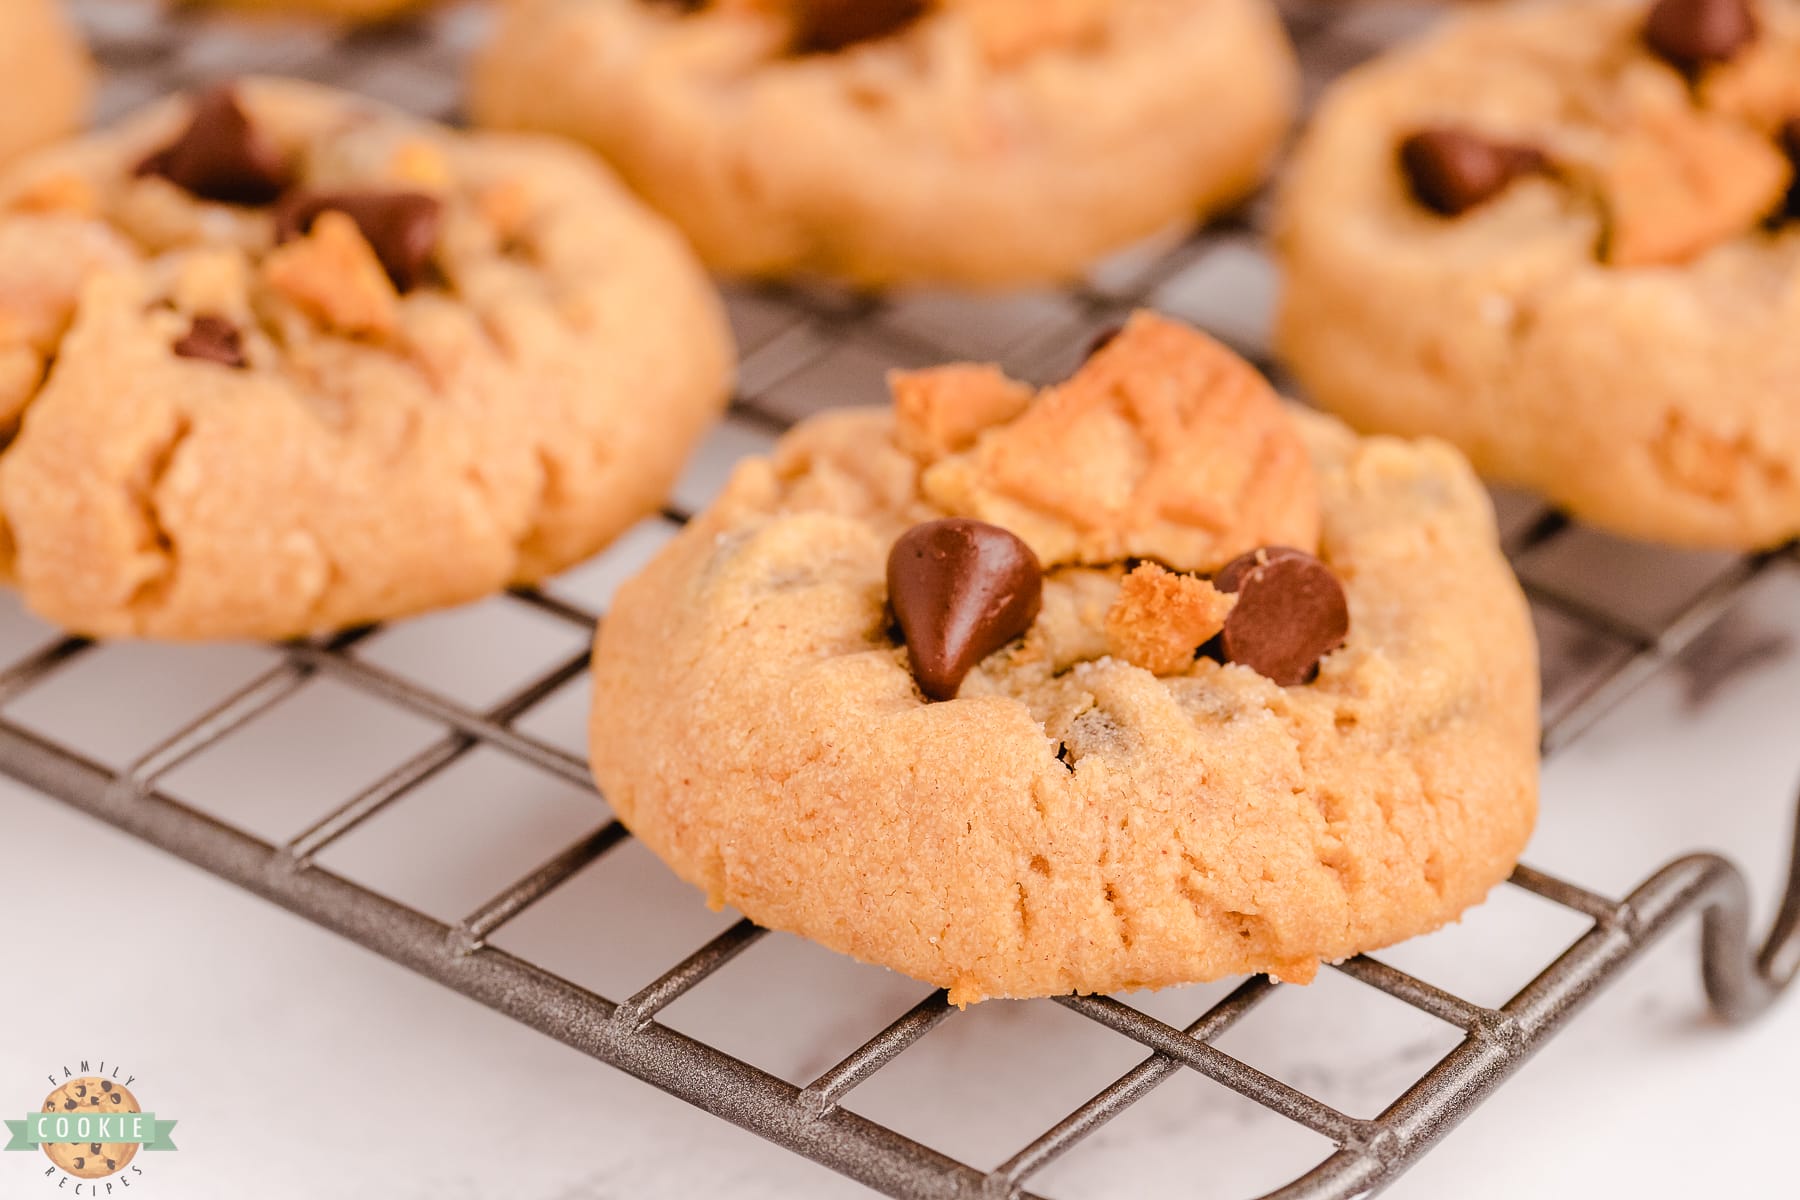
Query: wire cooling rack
(805,349)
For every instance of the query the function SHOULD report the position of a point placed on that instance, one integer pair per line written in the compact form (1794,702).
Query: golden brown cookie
(341,10)
(1567,238)
(46,78)
(983,142)
(91,1160)
(281,360)
(1121,792)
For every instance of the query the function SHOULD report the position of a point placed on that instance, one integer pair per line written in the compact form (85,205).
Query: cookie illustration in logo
(91,1095)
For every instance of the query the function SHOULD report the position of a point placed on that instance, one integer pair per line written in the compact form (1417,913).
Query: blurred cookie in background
(978,142)
(46,78)
(278,359)
(1567,238)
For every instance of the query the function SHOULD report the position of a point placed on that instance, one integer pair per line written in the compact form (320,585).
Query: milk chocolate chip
(1290,613)
(1689,34)
(220,155)
(402,227)
(213,339)
(827,26)
(1453,170)
(961,589)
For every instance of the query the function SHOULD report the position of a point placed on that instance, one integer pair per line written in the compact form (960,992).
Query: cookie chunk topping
(1452,170)
(1691,34)
(1163,446)
(1164,482)
(960,590)
(221,156)
(1162,619)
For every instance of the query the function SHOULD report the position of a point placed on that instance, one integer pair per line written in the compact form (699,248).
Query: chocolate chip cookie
(91,1095)
(1136,680)
(1567,238)
(275,360)
(45,76)
(984,142)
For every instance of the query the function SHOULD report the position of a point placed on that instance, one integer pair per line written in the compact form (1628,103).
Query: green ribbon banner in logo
(70,1128)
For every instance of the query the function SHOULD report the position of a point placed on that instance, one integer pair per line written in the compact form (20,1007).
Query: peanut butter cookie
(276,360)
(1142,679)
(337,10)
(1567,238)
(45,76)
(982,142)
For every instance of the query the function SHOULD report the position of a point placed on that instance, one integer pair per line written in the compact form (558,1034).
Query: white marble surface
(245,1023)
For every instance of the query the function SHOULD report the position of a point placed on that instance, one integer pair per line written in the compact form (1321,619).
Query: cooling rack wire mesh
(1611,615)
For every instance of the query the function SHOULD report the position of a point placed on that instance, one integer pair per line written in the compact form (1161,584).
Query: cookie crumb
(1161,618)
(334,275)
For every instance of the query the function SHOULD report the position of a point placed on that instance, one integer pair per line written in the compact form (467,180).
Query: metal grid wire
(805,349)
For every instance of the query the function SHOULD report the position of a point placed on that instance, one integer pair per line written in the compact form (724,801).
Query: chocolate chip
(401,226)
(81,1089)
(68,1105)
(111,1165)
(827,26)
(105,1084)
(1689,34)
(220,155)
(1453,170)
(1290,613)
(961,590)
(93,1147)
(212,339)
(80,1163)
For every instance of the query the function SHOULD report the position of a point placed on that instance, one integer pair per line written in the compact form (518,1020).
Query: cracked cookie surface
(1613,326)
(210,434)
(1073,820)
(979,142)
(45,76)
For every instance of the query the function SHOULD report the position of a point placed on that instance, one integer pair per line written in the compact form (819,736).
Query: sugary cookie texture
(981,142)
(275,360)
(1142,679)
(1567,238)
(45,76)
